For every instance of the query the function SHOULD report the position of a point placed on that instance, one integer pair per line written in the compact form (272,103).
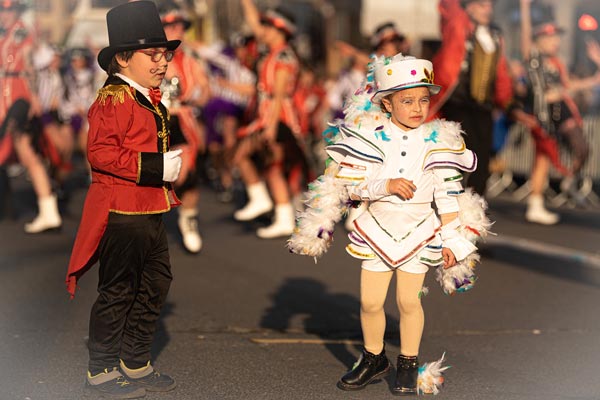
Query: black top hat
(133,26)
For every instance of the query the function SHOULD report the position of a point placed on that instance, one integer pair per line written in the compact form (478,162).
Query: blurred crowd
(249,110)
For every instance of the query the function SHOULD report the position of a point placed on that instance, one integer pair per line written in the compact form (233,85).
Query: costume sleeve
(503,93)
(109,122)
(447,185)
(286,60)
(357,173)
(447,189)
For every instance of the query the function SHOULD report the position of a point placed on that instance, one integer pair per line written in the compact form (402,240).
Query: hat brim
(107,53)
(380,94)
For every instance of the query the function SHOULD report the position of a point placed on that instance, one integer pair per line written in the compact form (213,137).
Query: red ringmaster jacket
(457,28)
(127,136)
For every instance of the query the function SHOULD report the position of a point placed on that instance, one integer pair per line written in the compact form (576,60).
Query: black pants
(135,275)
(477,123)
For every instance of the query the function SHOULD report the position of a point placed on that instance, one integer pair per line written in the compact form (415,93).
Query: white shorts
(413,266)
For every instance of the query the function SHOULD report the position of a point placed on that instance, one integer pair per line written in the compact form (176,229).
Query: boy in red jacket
(121,226)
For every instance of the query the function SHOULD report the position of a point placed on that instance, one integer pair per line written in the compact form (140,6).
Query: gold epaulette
(117,92)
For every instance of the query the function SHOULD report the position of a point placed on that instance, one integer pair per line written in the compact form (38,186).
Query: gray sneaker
(113,385)
(153,382)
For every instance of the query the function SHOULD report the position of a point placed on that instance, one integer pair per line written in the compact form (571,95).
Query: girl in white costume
(400,166)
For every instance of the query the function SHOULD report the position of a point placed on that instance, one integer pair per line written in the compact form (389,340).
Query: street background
(247,319)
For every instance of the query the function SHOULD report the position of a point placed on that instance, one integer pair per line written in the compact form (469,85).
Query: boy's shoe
(113,385)
(151,380)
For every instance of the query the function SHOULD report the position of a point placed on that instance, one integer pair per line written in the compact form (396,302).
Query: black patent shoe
(406,376)
(368,368)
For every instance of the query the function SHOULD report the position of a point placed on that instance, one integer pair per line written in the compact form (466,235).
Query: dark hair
(113,66)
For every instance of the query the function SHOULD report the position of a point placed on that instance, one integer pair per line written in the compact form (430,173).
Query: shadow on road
(330,316)
(161,337)
(566,268)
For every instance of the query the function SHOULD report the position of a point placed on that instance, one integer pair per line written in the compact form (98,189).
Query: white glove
(172,165)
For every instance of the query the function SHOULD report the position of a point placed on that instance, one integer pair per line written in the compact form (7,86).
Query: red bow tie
(155,95)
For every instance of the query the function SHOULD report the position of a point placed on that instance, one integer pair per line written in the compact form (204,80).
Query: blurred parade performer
(59,143)
(80,88)
(21,128)
(474,76)
(185,90)
(122,225)
(275,132)
(310,102)
(388,41)
(232,84)
(549,99)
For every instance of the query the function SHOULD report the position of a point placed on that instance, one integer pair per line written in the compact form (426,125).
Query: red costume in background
(127,166)
(15,44)
(473,73)
(185,68)
(278,58)
(457,28)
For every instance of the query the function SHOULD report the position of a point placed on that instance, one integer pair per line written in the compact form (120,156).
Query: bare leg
(33,163)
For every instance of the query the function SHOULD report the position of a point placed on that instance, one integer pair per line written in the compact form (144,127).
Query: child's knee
(409,304)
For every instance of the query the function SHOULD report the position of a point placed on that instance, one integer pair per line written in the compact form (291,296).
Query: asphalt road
(246,319)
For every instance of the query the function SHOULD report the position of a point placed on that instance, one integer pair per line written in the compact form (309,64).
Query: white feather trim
(431,377)
(327,199)
(359,112)
(326,202)
(474,226)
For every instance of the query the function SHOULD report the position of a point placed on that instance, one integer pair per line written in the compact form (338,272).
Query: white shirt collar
(136,86)
(484,37)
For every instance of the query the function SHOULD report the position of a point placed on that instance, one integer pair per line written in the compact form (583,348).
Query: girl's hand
(401,187)
(449,259)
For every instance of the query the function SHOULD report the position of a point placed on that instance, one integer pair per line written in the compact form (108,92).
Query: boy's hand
(449,259)
(172,165)
(401,187)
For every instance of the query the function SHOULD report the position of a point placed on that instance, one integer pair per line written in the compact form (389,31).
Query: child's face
(548,44)
(481,11)
(143,70)
(409,107)
(175,31)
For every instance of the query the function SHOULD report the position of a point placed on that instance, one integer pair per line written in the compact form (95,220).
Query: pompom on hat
(403,72)
(134,26)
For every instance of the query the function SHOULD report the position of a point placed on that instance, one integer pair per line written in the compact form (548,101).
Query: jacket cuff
(150,169)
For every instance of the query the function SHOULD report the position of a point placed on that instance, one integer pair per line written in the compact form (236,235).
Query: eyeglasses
(156,55)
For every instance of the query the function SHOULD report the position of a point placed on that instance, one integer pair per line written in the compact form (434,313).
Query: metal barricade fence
(518,155)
